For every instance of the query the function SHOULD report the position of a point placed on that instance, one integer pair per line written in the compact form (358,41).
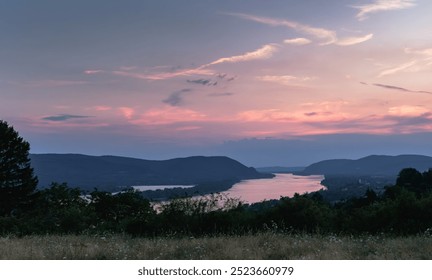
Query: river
(256,190)
(160,187)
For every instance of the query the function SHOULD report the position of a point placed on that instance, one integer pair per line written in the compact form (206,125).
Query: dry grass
(259,246)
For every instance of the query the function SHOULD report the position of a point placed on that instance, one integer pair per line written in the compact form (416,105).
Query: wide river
(256,190)
(251,191)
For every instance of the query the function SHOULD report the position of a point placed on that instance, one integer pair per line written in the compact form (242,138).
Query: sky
(281,82)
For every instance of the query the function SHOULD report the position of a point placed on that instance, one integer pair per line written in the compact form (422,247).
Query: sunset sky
(280,82)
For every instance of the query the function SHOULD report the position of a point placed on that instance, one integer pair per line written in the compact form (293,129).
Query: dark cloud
(176,98)
(401,88)
(219,94)
(395,124)
(310,114)
(64,117)
(411,121)
(203,82)
(200,82)
(222,77)
(225,77)
(392,87)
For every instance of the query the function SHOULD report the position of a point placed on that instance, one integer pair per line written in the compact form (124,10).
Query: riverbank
(255,247)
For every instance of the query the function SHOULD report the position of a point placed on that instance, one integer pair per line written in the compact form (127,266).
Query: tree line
(402,209)
(62,210)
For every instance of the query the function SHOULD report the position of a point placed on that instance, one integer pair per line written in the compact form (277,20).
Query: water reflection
(251,191)
(160,187)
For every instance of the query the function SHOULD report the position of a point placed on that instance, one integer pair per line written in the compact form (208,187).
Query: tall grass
(257,246)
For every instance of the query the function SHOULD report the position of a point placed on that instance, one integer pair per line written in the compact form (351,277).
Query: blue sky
(266,82)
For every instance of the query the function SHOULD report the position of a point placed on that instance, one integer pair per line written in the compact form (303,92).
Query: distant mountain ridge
(370,165)
(88,172)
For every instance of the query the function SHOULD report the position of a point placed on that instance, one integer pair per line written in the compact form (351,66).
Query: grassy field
(259,246)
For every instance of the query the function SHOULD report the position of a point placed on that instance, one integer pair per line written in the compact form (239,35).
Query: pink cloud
(285,79)
(423,52)
(92,72)
(400,68)
(349,41)
(328,36)
(102,108)
(281,116)
(383,5)
(264,52)
(408,111)
(164,75)
(297,41)
(420,61)
(127,112)
(169,115)
(187,128)
(267,115)
(132,72)
(333,117)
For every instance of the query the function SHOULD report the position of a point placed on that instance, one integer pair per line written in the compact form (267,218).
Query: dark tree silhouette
(427,180)
(411,179)
(17,181)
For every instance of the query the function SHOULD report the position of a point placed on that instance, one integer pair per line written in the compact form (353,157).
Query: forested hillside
(109,172)
(371,166)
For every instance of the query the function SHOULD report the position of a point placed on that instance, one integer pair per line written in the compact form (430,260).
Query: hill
(375,165)
(88,172)
(345,178)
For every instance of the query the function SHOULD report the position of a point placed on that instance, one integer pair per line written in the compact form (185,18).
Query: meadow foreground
(256,247)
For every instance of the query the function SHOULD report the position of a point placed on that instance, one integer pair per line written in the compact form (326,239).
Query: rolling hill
(375,165)
(88,172)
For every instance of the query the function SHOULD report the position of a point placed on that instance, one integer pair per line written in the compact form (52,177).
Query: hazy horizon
(245,162)
(288,83)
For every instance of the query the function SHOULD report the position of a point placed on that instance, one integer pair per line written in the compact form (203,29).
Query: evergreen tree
(412,180)
(17,181)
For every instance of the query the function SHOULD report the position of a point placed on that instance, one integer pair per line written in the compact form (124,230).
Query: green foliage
(414,181)
(125,211)
(211,214)
(58,209)
(410,179)
(17,181)
(300,213)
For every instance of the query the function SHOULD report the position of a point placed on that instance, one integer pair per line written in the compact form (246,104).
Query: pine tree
(17,181)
